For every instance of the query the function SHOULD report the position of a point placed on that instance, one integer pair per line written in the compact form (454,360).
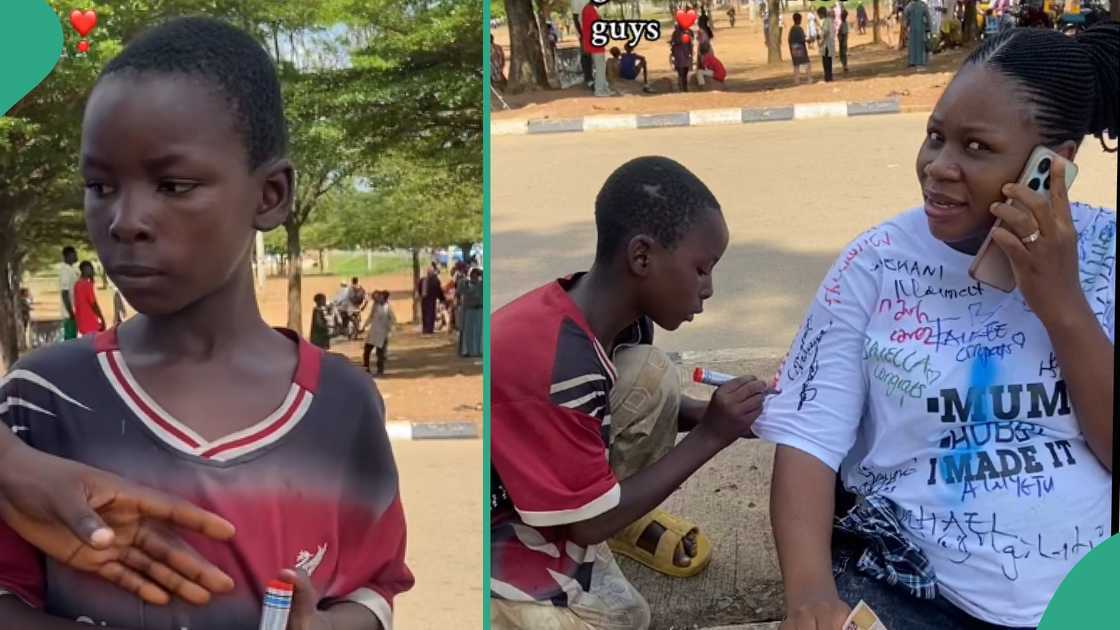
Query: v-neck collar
(179,436)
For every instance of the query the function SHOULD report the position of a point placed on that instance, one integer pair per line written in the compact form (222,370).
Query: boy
(381,322)
(87,312)
(630,64)
(710,66)
(183,144)
(828,43)
(68,274)
(597,54)
(576,381)
(799,52)
(320,326)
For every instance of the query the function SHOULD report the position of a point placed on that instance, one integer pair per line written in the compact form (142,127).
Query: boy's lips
(135,271)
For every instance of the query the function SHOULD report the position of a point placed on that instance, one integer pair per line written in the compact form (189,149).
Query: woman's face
(978,138)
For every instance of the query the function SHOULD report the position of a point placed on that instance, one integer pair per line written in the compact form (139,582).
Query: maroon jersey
(312,485)
(550,423)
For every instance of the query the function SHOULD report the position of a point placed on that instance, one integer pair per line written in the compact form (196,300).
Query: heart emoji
(686,20)
(685,38)
(83,46)
(83,22)
(29,48)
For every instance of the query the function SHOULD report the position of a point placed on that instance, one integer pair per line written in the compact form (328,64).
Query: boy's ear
(638,252)
(278,189)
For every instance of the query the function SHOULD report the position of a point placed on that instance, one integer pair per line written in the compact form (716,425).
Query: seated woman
(974,426)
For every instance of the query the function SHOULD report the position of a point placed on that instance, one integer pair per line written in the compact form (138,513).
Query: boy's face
(170,203)
(679,280)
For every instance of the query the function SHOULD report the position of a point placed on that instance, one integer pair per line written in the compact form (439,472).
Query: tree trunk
(466,249)
(875,36)
(295,273)
(9,340)
(527,71)
(774,42)
(415,285)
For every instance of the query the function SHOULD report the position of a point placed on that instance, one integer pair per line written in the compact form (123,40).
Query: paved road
(794,193)
(441,489)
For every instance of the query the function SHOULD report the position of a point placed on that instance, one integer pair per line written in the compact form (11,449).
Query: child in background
(680,55)
(87,312)
(381,322)
(799,52)
(320,326)
(842,39)
(196,395)
(710,67)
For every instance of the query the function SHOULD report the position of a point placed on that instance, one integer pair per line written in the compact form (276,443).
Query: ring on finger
(1032,237)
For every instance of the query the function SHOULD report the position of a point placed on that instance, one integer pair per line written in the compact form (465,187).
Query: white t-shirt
(67,276)
(944,395)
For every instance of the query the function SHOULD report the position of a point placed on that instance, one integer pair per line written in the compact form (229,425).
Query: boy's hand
(97,522)
(305,603)
(734,407)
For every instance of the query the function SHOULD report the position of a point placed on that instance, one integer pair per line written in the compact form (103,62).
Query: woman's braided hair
(1073,83)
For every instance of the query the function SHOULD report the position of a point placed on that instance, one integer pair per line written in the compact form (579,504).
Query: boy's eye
(976,145)
(176,187)
(933,136)
(100,189)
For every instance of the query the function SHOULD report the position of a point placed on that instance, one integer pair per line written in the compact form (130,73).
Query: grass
(348,264)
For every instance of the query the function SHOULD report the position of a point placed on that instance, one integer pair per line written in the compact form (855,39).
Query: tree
(971,28)
(527,69)
(876,37)
(774,41)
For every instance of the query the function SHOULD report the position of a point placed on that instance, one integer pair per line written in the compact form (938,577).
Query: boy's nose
(130,222)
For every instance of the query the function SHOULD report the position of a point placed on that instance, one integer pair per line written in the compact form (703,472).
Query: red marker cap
(698,375)
(280,586)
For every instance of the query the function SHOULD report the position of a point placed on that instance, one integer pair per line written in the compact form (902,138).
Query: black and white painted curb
(695,118)
(399,430)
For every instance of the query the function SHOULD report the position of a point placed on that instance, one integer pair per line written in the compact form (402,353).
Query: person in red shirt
(710,66)
(87,313)
(589,17)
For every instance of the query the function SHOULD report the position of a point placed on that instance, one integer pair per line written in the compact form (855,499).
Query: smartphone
(991,266)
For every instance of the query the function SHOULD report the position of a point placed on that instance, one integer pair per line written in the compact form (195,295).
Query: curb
(403,431)
(694,118)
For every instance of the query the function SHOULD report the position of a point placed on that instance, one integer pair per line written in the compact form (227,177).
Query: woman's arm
(802,500)
(1086,358)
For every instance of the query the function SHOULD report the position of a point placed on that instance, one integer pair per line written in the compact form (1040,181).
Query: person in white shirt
(973,427)
(68,274)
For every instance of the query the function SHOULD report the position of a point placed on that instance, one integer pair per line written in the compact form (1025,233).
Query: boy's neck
(226,322)
(605,303)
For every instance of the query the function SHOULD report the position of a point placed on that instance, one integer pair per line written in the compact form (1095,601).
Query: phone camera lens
(1044,165)
(1035,183)
(1046,182)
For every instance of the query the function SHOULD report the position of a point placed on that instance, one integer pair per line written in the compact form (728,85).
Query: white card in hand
(863,618)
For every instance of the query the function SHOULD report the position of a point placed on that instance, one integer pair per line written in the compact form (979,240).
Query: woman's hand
(1039,238)
(97,522)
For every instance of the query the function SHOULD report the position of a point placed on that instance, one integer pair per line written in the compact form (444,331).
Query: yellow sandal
(626,543)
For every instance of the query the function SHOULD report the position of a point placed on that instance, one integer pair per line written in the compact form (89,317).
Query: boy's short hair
(319,297)
(796,18)
(650,195)
(354,280)
(69,251)
(615,52)
(227,57)
(821,11)
(85,264)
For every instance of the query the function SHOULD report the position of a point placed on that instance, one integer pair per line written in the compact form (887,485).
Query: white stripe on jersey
(572,382)
(31,377)
(572,404)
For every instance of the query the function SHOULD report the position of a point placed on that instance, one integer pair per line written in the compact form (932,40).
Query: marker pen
(715,379)
(277,606)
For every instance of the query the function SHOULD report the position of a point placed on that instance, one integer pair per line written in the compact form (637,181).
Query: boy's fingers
(134,583)
(305,599)
(74,510)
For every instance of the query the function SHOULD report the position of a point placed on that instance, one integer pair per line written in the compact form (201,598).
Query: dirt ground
(426,380)
(876,72)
